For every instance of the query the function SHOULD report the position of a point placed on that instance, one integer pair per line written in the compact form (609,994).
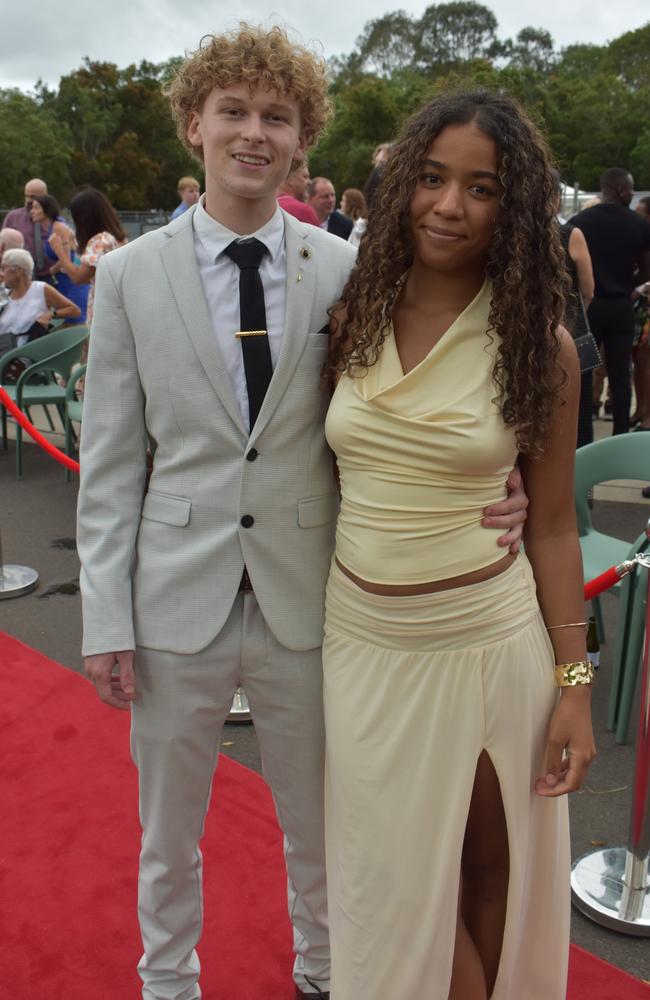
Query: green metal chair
(73,412)
(52,355)
(625,456)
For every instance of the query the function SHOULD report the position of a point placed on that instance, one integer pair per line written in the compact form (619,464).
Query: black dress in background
(576,323)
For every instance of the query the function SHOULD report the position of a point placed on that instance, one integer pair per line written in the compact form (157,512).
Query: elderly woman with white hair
(30,304)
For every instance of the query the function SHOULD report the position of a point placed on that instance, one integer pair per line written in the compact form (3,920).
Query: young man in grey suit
(215,575)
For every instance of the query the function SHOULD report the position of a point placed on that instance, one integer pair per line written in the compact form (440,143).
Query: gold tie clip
(251,333)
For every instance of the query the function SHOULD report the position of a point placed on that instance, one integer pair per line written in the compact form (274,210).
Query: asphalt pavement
(37,523)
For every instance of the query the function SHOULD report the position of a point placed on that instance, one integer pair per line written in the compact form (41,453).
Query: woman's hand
(570,746)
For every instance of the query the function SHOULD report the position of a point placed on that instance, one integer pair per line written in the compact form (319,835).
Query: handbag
(586,346)
(14,369)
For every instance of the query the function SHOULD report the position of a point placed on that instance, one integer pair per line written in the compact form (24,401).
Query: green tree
(33,143)
(452,33)
(640,160)
(366,114)
(592,124)
(581,60)
(629,57)
(124,138)
(388,44)
(533,49)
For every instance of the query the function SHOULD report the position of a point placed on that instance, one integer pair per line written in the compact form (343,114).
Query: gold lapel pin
(305,253)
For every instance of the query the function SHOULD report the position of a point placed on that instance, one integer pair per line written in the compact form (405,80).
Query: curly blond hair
(258,57)
(525,261)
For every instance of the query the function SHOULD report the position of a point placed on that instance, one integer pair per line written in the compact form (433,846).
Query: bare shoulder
(568,356)
(577,240)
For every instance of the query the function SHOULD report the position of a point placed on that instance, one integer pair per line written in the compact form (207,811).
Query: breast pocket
(319,341)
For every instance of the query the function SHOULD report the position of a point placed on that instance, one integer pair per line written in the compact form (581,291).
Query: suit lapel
(301,289)
(179,261)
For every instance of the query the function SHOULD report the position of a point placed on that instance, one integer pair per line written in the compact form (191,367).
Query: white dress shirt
(220,278)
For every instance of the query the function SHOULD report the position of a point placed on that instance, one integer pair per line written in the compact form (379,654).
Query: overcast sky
(39,39)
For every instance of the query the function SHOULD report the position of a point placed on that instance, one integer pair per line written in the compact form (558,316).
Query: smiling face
(36,212)
(249,141)
(454,206)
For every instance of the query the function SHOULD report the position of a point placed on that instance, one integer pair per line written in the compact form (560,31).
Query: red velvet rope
(46,445)
(601,583)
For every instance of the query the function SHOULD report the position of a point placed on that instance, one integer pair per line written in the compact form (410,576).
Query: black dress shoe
(316,995)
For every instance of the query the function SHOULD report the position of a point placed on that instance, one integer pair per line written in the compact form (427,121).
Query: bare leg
(485,867)
(468,975)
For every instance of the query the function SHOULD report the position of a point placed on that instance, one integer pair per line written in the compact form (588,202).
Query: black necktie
(247,255)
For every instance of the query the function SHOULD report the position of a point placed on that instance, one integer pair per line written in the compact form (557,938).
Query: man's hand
(115,688)
(510,514)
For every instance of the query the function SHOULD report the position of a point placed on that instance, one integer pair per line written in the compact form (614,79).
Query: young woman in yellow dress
(457,693)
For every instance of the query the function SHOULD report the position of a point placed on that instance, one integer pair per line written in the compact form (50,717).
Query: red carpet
(68,848)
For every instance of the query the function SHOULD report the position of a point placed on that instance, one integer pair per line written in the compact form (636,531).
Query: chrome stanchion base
(600,891)
(16,580)
(240,711)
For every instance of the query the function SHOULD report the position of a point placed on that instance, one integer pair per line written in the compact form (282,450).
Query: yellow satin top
(420,456)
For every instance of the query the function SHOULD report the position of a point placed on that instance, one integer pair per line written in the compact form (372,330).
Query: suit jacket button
(252,454)
(247,521)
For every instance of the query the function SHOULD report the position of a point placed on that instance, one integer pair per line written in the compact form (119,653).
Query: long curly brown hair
(525,261)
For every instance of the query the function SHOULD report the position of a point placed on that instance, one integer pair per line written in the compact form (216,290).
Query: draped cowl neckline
(386,385)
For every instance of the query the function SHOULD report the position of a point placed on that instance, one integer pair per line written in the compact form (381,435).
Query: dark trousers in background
(612,324)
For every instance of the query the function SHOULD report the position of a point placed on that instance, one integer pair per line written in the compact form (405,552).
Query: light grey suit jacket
(162,569)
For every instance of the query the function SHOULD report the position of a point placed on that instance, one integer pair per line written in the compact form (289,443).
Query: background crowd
(607,248)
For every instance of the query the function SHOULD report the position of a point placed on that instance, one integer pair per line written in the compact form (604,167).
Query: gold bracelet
(573,674)
(549,628)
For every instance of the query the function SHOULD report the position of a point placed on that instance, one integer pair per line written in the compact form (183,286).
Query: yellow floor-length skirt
(415,688)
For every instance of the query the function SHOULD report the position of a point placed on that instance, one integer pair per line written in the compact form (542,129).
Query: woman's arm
(67,240)
(81,274)
(64,233)
(551,541)
(63,308)
(579,253)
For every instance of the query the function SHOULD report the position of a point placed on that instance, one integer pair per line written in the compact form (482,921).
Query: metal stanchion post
(15,580)
(611,886)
